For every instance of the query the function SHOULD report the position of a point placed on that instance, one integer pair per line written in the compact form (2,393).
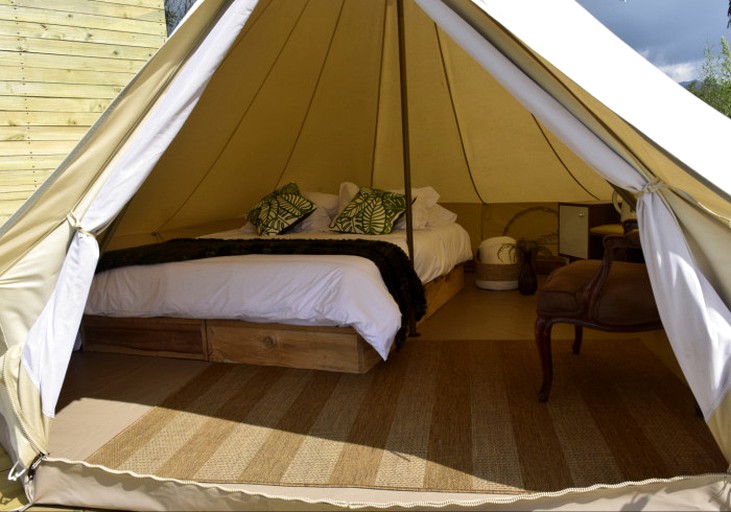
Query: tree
(175,11)
(714,84)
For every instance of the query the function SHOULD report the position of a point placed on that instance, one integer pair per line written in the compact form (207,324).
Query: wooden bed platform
(338,349)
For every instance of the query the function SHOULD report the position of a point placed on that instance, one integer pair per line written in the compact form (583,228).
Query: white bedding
(290,289)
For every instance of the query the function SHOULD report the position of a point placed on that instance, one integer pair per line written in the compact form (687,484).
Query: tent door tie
(651,187)
(77,225)
(657,184)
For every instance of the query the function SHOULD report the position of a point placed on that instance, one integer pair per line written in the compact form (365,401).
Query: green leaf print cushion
(280,211)
(371,212)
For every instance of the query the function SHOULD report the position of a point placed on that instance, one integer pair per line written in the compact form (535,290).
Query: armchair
(607,294)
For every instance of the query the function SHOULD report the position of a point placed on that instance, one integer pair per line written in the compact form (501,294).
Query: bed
(269,306)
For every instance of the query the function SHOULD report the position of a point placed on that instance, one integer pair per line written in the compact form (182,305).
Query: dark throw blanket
(396,269)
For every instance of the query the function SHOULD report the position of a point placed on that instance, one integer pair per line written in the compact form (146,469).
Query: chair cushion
(559,294)
(625,300)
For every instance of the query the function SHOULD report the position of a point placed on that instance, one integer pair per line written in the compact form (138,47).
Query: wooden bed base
(338,349)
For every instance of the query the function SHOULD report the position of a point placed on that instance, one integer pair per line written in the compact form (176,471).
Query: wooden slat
(8,208)
(21,191)
(141,3)
(21,118)
(55,47)
(39,133)
(28,147)
(64,76)
(439,291)
(16,196)
(98,8)
(16,182)
(22,165)
(160,336)
(328,348)
(33,104)
(79,34)
(59,90)
(24,178)
(11,13)
(47,61)
(322,348)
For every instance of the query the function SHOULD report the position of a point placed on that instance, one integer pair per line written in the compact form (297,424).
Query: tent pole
(405,127)
(405,140)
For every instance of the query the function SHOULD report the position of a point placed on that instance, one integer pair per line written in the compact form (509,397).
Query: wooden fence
(61,63)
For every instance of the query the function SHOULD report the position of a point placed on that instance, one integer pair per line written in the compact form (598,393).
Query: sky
(672,34)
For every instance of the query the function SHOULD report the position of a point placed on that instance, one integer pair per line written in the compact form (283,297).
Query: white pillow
(423,199)
(249,228)
(440,216)
(346,194)
(419,217)
(425,195)
(317,221)
(329,202)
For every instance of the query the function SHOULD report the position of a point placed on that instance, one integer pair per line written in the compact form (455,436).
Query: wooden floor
(474,314)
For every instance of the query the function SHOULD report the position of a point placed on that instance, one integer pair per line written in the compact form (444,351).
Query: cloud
(672,34)
(678,70)
(682,72)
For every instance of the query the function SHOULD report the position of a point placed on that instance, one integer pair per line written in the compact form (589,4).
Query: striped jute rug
(450,416)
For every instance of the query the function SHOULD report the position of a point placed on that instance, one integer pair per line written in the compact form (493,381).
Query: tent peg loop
(14,474)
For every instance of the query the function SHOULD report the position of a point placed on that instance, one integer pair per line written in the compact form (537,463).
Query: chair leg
(543,341)
(578,338)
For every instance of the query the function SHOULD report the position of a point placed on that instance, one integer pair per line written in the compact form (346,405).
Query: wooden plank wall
(61,63)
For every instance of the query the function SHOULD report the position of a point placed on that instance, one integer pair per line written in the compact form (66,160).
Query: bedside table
(575,221)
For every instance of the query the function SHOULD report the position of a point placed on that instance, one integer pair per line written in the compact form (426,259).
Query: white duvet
(320,290)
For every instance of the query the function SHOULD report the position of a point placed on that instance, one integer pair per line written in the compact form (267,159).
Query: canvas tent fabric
(509,101)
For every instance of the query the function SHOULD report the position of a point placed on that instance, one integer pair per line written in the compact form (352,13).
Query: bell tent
(488,101)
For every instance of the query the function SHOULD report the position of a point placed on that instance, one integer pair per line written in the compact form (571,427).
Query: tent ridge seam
(238,41)
(447,81)
(558,157)
(380,88)
(314,91)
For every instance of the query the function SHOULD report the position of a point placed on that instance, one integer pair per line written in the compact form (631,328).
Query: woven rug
(446,416)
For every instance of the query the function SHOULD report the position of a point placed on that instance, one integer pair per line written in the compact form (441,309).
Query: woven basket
(496,276)
(495,272)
